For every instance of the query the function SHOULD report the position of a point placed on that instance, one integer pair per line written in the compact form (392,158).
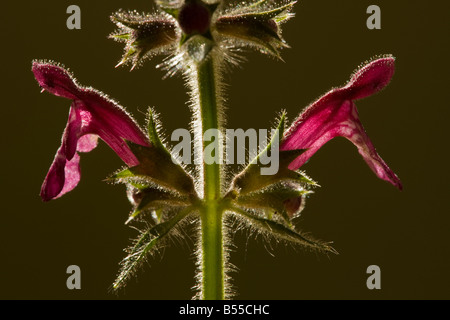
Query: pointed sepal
(144,35)
(149,241)
(281,231)
(251,178)
(257,25)
(154,200)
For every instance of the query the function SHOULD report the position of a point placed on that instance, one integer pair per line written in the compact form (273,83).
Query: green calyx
(157,168)
(257,25)
(144,35)
(269,203)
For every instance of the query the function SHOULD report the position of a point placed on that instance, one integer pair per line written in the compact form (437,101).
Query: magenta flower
(335,114)
(92,115)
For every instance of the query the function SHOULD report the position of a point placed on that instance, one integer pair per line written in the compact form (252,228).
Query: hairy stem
(212,264)
(212,253)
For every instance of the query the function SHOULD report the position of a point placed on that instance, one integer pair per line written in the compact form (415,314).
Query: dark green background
(369,221)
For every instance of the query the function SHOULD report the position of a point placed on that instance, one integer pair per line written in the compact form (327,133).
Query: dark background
(369,221)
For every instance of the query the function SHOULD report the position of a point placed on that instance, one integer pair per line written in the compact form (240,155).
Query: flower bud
(194,18)
(294,206)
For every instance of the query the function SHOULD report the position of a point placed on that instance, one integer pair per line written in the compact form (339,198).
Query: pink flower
(335,114)
(92,115)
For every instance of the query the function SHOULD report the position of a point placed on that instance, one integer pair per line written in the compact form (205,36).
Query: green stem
(211,215)
(212,257)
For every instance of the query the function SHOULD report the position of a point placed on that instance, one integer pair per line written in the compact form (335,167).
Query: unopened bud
(194,18)
(293,206)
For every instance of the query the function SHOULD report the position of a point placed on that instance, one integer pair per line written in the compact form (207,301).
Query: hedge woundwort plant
(202,39)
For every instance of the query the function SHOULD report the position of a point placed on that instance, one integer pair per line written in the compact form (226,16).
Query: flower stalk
(212,264)
(209,116)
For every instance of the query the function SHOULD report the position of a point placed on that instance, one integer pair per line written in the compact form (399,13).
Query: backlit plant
(201,39)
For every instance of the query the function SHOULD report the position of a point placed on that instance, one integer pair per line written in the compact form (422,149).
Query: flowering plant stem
(202,38)
(212,264)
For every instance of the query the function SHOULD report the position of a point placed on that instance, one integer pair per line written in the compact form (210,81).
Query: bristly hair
(145,35)
(227,231)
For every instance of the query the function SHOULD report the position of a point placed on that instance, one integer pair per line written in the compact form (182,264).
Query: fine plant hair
(138,254)
(191,79)
(230,290)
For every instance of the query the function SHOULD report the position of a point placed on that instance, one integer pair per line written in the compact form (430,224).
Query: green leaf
(282,232)
(147,242)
